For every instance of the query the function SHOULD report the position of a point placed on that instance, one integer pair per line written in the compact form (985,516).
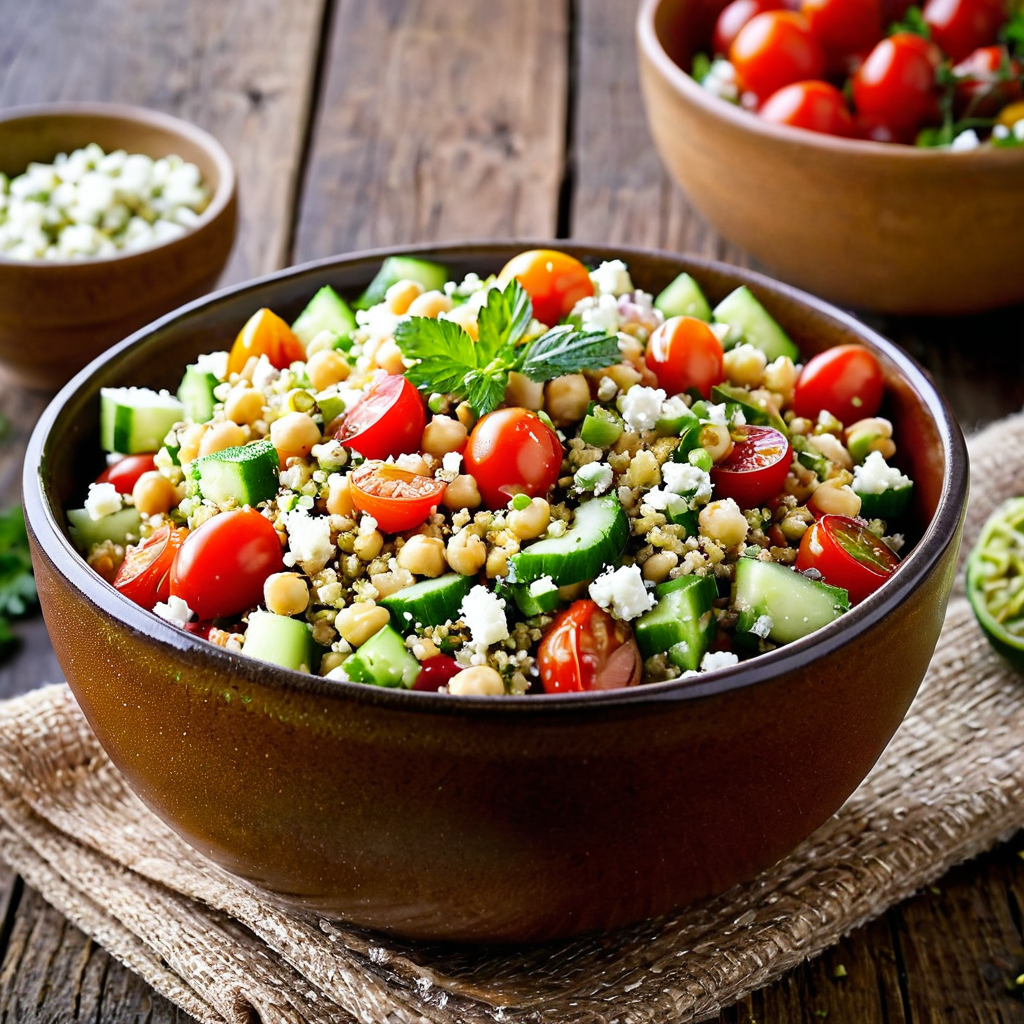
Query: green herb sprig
(17,584)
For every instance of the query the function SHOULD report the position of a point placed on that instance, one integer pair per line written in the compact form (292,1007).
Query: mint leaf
(502,321)
(565,349)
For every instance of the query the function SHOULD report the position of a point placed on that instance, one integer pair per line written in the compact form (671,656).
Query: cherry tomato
(814,106)
(222,565)
(988,80)
(435,672)
(896,83)
(555,281)
(755,470)
(387,421)
(848,555)
(265,334)
(144,575)
(586,649)
(960,26)
(844,26)
(125,473)
(397,499)
(774,49)
(845,380)
(685,353)
(512,451)
(733,17)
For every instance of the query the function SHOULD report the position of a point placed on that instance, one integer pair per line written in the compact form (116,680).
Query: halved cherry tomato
(775,49)
(755,470)
(815,106)
(555,281)
(845,380)
(987,81)
(586,649)
(144,575)
(387,421)
(733,17)
(685,353)
(844,26)
(397,499)
(848,555)
(960,26)
(435,672)
(222,565)
(512,451)
(265,334)
(125,473)
(896,83)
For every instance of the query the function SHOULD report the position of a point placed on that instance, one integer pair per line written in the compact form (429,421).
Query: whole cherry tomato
(987,81)
(755,470)
(586,649)
(144,575)
(387,421)
(844,26)
(397,499)
(512,451)
(435,672)
(845,380)
(814,106)
(222,565)
(896,83)
(685,353)
(961,26)
(125,473)
(733,17)
(555,281)
(265,334)
(848,555)
(775,49)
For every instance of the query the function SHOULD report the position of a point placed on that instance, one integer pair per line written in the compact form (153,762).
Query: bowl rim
(865,149)
(914,569)
(219,201)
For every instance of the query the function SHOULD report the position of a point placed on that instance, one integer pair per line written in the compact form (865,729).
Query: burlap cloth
(949,785)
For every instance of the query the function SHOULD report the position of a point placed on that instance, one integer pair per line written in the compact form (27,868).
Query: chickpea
(531,521)
(413,464)
(715,440)
(465,317)
(367,545)
(462,492)
(189,441)
(467,553)
(339,495)
(326,368)
(387,583)
(659,565)
(523,392)
(873,434)
(330,661)
(832,448)
(430,304)
(444,434)
(153,493)
(723,522)
(622,375)
(497,563)
(566,399)
(836,498)
(425,648)
(745,365)
(466,416)
(285,593)
(294,434)
(358,622)
(389,357)
(780,376)
(243,405)
(478,681)
(644,470)
(423,556)
(400,296)
(221,436)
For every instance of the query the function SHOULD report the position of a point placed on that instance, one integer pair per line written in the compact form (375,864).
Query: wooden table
(359,124)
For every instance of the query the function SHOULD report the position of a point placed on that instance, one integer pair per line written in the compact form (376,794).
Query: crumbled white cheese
(309,540)
(595,476)
(658,499)
(641,407)
(213,362)
(338,673)
(599,313)
(366,526)
(683,478)
(964,141)
(721,80)
(175,611)
(264,374)
(674,408)
(1000,132)
(874,475)
(762,626)
(451,462)
(717,659)
(622,591)
(607,389)
(612,278)
(330,454)
(483,612)
(102,500)
(1018,130)
(716,414)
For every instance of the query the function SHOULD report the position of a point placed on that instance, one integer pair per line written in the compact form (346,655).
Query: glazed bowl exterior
(56,316)
(474,818)
(893,228)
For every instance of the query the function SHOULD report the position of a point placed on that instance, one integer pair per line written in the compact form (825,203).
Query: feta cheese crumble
(718,659)
(483,612)
(874,475)
(309,540)
(103,500)
(612,278)
(595,476)
(641,407)
(683,478)
(174,610)
(622,591)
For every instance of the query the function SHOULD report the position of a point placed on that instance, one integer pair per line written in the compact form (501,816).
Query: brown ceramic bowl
(869,225)
(57,316)
(525,818)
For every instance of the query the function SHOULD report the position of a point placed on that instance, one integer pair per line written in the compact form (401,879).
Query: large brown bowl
(56,316)
(521,818)
(870,225)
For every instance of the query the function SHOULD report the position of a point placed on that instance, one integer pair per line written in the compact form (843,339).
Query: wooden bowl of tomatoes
(520,818)
(818,180)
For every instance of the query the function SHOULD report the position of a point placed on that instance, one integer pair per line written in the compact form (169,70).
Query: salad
(948,74)
(546,480)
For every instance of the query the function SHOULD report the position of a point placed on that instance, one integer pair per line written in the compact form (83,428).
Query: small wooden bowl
(55,316)
(869,225)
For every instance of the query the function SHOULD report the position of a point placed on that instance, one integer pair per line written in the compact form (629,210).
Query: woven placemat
(949,785)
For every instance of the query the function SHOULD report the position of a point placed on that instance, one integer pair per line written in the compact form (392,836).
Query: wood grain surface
(357,124)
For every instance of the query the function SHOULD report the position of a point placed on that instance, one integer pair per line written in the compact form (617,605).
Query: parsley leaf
(444,351)
(566,350)
(502,321)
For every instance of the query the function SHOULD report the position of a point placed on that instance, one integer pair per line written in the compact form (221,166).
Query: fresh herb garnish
(913,22)
(1012,33)
(17,585)
(446,360)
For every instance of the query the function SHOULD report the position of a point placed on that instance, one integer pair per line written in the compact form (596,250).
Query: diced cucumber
(402,268)
(755,411)
(136,420)
(196,393)
(120,527)
(888,504)
(779,604)
(331,405)
(677,426)
(749,321)
(429,602)
(537,598)
(245,475)
(682,623)
(814,461)
(383,661)
(279,639)
(326,311)
(596,538)
(687,519)
(601,427)
(683,297)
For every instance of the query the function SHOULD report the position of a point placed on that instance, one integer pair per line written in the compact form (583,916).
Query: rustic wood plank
(438,121)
